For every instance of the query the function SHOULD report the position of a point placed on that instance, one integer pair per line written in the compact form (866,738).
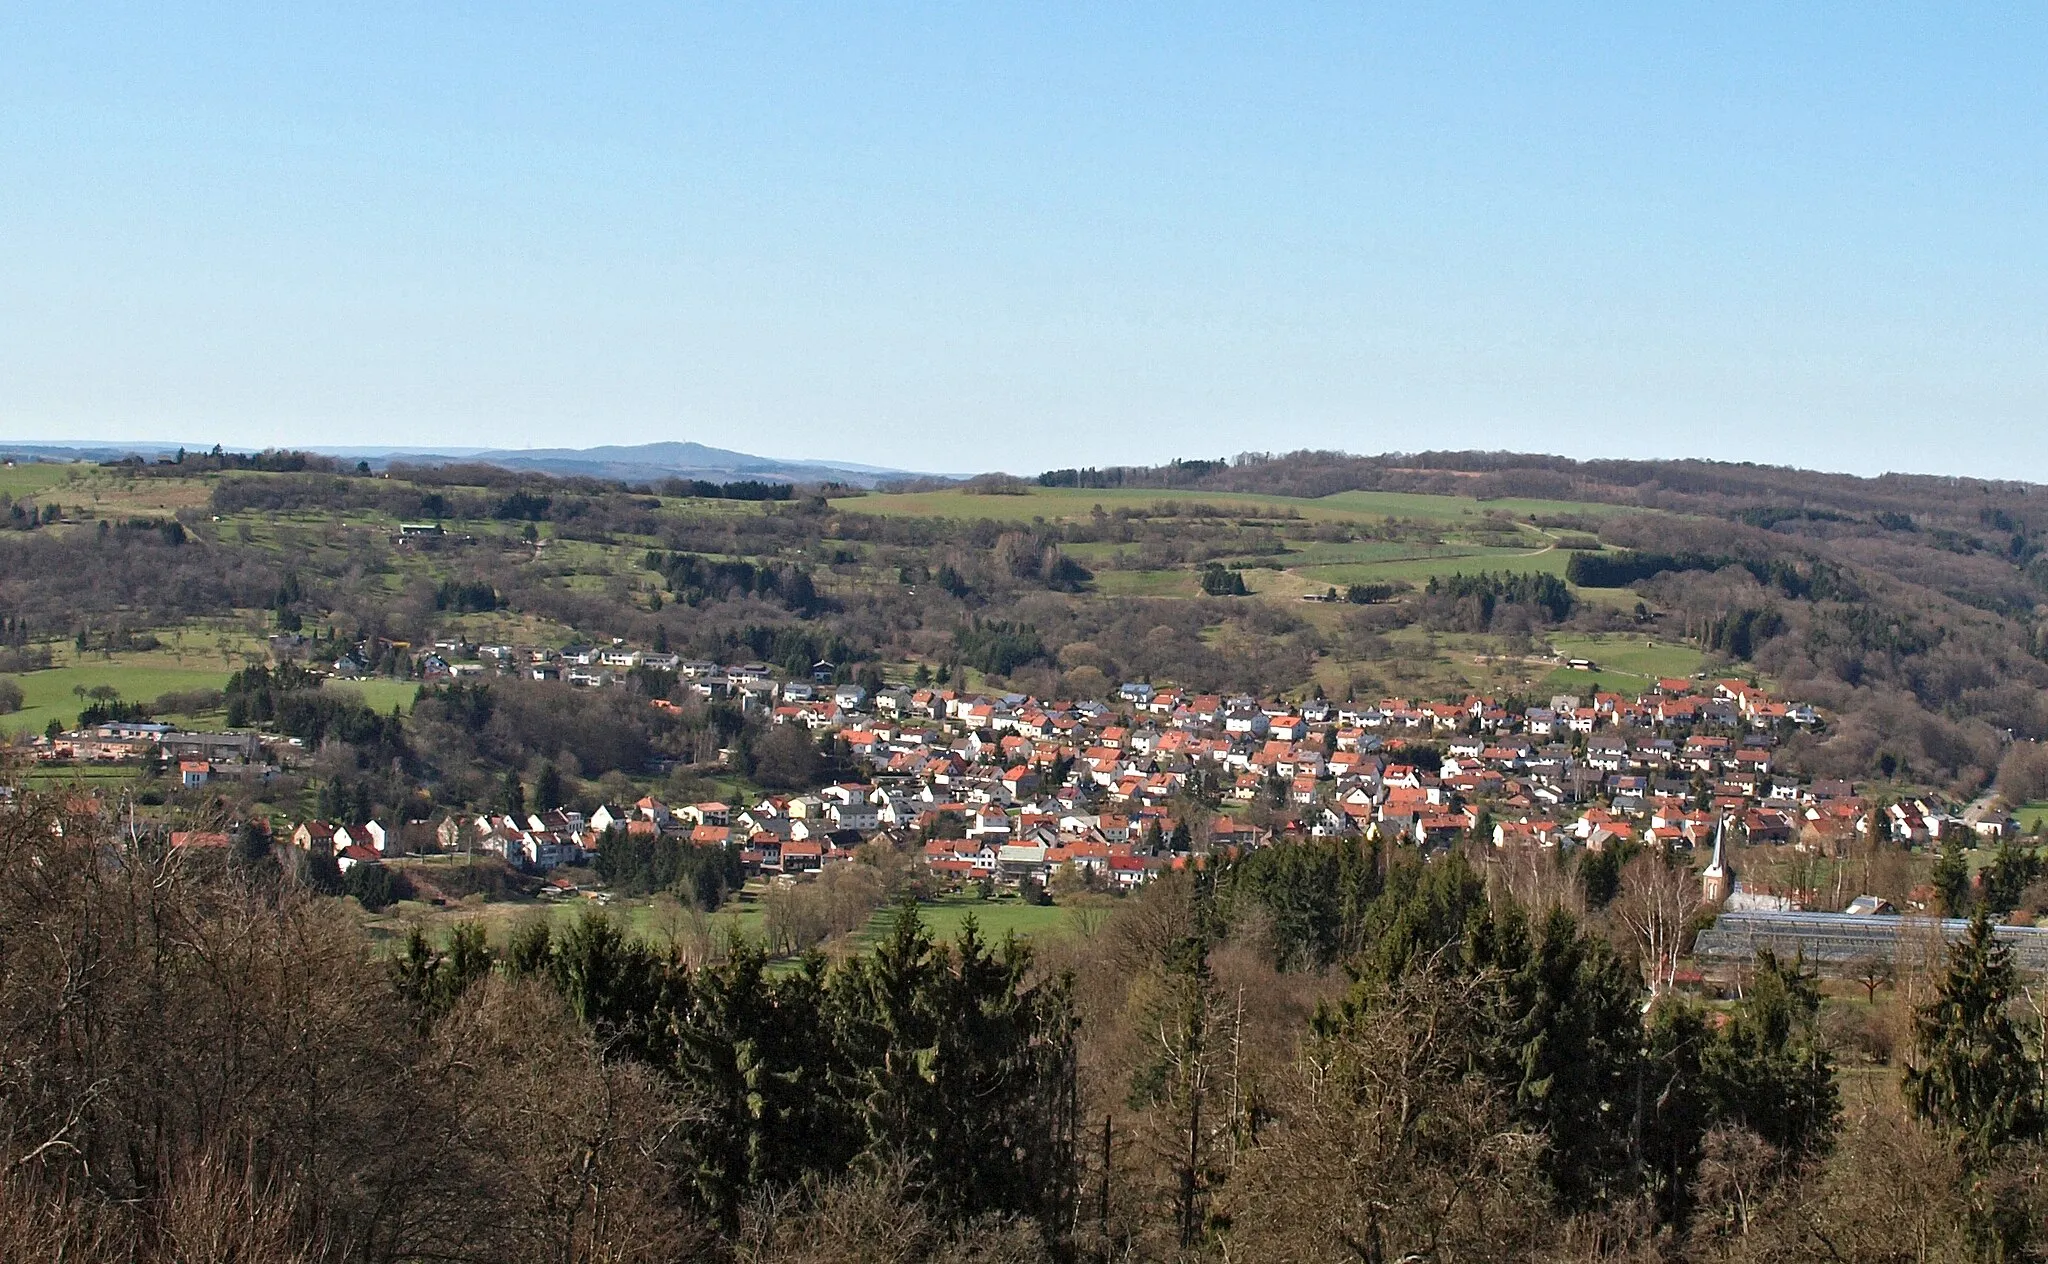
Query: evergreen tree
(1561,1040)
(1972,1072)
(251,847)
(1174,1078)
(547,788)
(751,1063)
(1771,1069)
(2012,870)
(612,982)
(1952,882)
(431,982)
(512,796)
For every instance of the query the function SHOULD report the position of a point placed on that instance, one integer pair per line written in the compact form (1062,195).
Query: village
(1008,790)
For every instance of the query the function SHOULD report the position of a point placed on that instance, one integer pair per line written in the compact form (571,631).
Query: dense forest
(1312,1053)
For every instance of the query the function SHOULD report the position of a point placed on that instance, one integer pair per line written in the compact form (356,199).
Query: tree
(1656,905)
(1972,1072)
(547,788)
(251,847)
(1952,882)
(512,796)
(1874,972)
(786,758)
(1175,1077)
(1217,581)
(373,885)
(1392,1150)
(1770,1071)
(2011,871)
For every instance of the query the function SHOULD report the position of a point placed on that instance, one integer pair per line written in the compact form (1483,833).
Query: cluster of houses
(199,757)
(752,685)
(1011,789)
(1008,789)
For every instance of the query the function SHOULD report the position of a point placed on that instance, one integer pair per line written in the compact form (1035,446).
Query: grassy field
(1185,583)
(1416,566)
(29,479)
(48,695)
(1055,503)
(1452,508)
(996,919)
(1641,656)
(379,695)
(2033,814)
(645,919)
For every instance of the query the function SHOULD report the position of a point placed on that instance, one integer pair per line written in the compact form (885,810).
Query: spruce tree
(1972,1072)
(1952,882)
(512,796)
(547,789)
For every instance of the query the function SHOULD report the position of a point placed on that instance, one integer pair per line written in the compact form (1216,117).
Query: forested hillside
(1911,605)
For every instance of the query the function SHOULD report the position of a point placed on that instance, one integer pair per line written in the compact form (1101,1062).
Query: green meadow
(1056,503)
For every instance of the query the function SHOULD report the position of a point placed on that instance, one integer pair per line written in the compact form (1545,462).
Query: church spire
(1716,880)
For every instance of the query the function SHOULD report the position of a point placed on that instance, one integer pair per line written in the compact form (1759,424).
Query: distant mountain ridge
(681,460)
(636,463)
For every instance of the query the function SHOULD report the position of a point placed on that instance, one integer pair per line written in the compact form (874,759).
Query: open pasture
(1074,503)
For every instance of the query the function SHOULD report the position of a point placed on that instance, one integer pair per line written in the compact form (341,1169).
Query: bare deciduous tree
(1656,904)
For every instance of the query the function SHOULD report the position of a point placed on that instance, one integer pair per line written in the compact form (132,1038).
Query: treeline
(574,1096)
(289,699)
(641,864)
(744,489)
(1476,603)
(1480,1081)
(1816,580)
(1175,473)
(998,646)
(269,460)
(694,580)
(585,508)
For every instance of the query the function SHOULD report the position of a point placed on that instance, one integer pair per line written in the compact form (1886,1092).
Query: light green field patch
(1361,552)
(1114,583)
(32,478)
(1071,503)
(49,695)
(379,695)
(1644,658)
(1451,561)
(1453,508)
(2033,815)
(995,919)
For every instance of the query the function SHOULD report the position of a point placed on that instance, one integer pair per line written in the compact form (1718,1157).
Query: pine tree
(2010,873)
(1972,1072)
(1175,1078)
(512,796)
(547,789)
(1770,1070)
(1952,882)
(1561,1043)
(251,847)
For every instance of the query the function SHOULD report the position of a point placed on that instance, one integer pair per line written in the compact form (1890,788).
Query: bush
(10,697)
(376,887)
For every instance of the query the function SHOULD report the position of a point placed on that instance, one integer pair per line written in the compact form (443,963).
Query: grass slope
(1055,503)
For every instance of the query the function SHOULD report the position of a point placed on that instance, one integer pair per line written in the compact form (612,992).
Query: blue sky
(976,235)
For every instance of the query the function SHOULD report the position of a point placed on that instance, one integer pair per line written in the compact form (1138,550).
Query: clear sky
(978,235)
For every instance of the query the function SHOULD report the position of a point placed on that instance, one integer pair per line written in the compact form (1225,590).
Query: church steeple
(1717,879)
